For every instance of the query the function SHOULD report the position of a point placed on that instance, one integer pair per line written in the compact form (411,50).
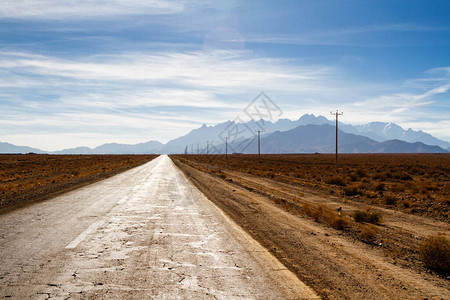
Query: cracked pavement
(145,233)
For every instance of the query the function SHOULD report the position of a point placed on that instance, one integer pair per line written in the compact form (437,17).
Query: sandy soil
(334,263)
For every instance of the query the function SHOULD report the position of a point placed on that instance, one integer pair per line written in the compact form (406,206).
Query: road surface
(145,233)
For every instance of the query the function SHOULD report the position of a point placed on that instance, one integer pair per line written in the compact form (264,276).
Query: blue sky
(83,73)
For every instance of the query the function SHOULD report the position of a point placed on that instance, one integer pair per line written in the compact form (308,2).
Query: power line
(337,114)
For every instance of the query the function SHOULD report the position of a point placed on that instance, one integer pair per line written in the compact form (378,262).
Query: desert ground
(296,224)
(29,178)
(355,230)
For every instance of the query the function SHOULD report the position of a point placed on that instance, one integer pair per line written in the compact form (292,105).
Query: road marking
(83,235)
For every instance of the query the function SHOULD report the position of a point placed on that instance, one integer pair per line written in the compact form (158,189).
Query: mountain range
(321,139)
(305,135)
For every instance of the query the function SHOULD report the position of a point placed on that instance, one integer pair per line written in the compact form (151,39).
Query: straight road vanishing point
(145,233)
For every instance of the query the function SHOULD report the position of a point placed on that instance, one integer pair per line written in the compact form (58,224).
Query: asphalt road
(145,233)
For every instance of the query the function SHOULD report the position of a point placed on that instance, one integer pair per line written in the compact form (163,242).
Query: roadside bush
(368,234)
(338,180)
(361,216)
(435,253)
(390,200)
(352,191)
(317,214)
(339,223)
(222,174)
(307,209)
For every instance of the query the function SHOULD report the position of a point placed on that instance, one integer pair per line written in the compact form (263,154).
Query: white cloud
(215,69)
(63,9)
(351,36)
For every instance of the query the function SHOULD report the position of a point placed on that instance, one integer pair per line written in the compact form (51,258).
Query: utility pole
(192,148)
(198,148)
(186,150)
(259,143)
(207,147)
(337,114)
(226,147)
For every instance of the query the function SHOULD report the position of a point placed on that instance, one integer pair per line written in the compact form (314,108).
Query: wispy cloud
(351,36)
(56,9)
(215,69)
(139,90)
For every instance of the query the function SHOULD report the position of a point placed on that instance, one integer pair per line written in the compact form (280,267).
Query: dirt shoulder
(27,179)
(335,263)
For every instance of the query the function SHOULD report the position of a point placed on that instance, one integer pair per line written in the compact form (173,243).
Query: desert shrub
(406,204)
(307,209)
(339,223)
(390,200)
(365,180)
(352,191)
(368,234)
(361,173)
(434,252)
(379,186)
(382,175)
(317,214)
(361,216)
(354,177)
(401,175)
(337,180)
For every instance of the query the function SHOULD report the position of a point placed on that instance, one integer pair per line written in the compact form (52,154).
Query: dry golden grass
(24,178)
(413,183)
(435,253)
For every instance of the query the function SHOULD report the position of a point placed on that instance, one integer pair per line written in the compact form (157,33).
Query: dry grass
(435,253)
(337,180)
(368,234)
(25,178)
(367,216)
(413,183)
